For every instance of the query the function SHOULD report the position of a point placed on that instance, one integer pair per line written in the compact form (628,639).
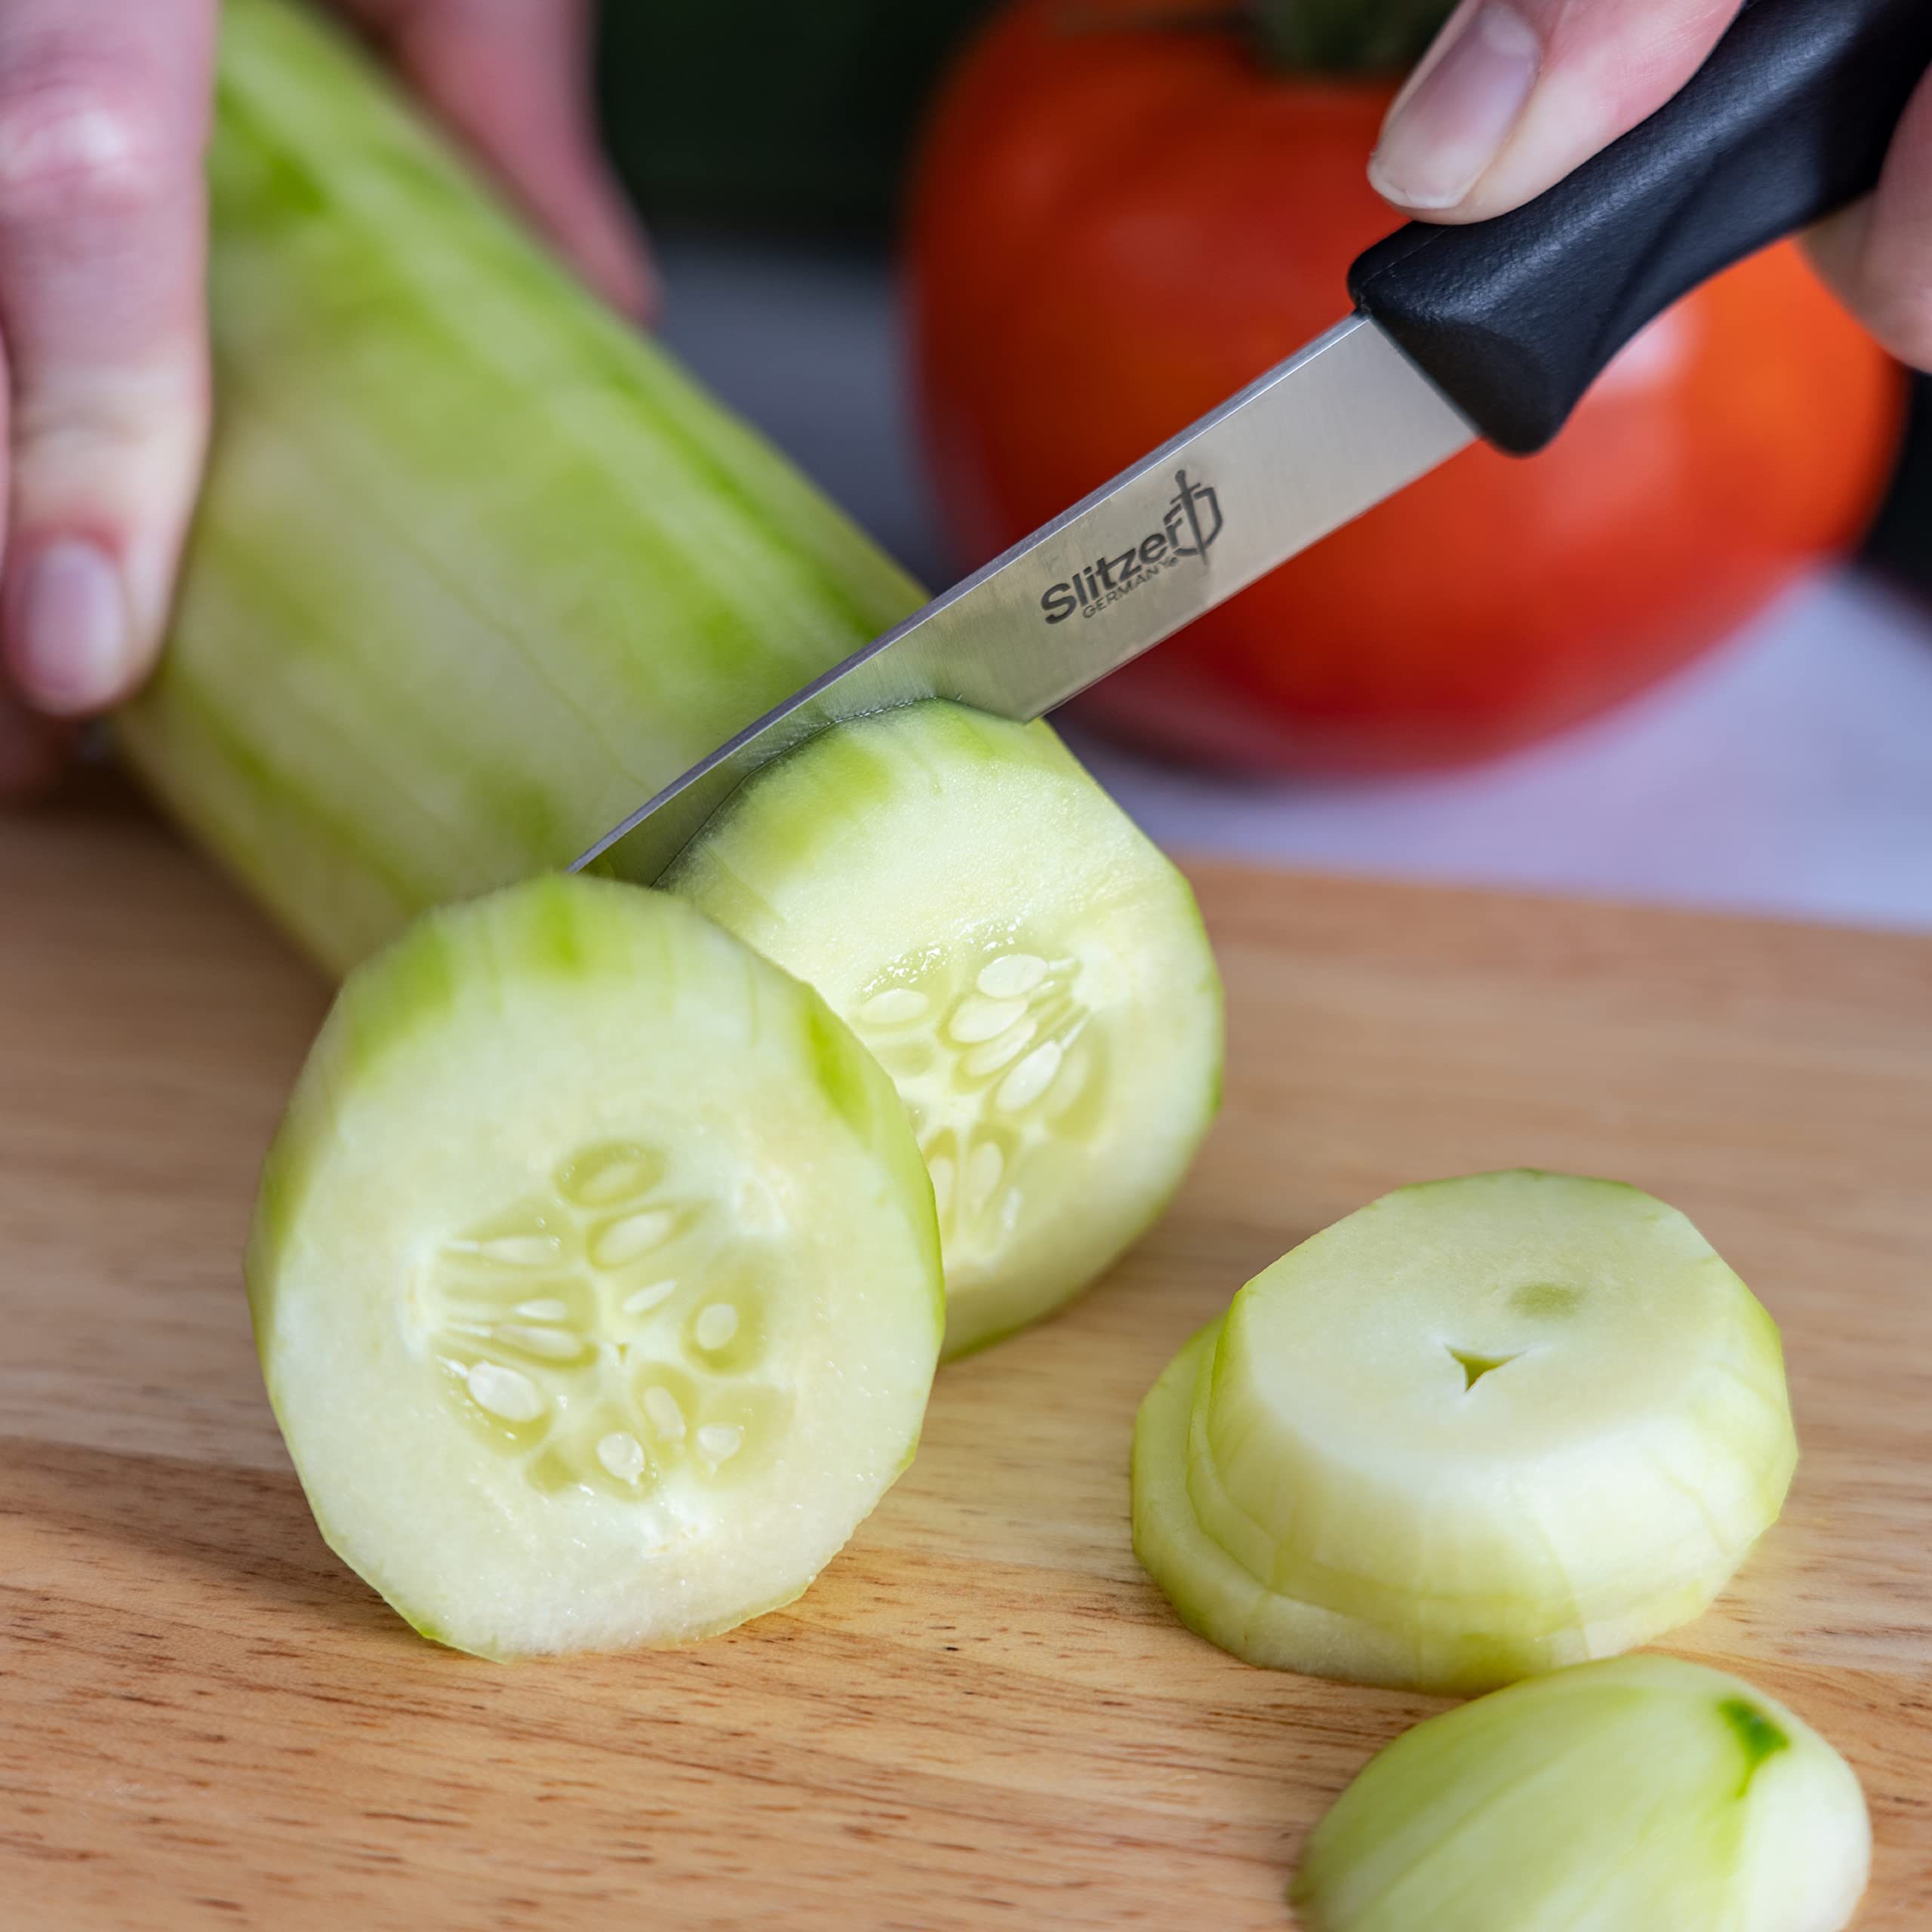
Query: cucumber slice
(595,1275)
(1504,1423)
(1642,1793)
(1060,1055)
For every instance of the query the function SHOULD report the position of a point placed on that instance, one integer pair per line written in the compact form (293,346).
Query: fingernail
(1453,120)
(71,648)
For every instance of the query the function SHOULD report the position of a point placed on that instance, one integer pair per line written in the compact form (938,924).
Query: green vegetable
(1031,972)
(594,1274)
(1479,1429)
(477,570)
(1643,1795)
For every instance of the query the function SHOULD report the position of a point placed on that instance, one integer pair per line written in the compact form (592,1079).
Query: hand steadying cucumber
(1642,1795)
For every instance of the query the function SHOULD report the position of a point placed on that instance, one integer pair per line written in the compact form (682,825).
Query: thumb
(1514,93)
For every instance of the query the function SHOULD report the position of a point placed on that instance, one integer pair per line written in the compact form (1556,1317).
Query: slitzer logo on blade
(1192,522)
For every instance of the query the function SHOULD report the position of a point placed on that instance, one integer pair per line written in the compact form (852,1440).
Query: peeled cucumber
(1479,1429)
(595,1275)
(1642,1795)
(1031,972)
(477,570)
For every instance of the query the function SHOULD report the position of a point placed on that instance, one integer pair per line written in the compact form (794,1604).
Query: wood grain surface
(983,1715)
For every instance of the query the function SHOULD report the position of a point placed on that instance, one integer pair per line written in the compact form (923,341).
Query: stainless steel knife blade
(1309,447)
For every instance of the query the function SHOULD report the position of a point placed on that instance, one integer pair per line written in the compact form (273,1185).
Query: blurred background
(964,260)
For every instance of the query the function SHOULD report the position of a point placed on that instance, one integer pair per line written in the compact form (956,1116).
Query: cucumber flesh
(1643,1792)
(1507,1423)
(1031,971)
(595,1275)
(1449,1640)
(1214,1596)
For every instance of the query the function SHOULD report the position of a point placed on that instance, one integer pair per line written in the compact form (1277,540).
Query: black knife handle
(1788,120)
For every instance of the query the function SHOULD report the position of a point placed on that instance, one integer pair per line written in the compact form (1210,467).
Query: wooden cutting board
(983,1715)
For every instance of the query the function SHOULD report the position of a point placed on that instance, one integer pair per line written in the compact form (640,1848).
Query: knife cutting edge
(1493,330)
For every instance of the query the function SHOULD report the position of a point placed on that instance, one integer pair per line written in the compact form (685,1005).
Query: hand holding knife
(1495,330)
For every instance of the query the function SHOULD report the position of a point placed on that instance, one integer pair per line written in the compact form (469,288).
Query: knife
(1494,331)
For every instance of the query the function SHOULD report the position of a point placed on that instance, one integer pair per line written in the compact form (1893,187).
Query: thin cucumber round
(1641,1795)
(1495,1426)
(594,1274)
(1030,970)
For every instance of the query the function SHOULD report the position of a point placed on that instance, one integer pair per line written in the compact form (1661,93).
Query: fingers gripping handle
(1788,121)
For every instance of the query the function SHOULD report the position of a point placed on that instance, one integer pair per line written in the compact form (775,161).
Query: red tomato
(1114,228)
